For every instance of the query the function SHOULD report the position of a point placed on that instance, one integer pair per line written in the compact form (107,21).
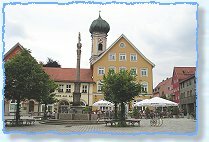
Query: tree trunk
(122,111)
(45,107)
(122,122)
(116,111)
(17,112)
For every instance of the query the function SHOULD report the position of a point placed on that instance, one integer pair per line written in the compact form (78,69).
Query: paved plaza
(180,125)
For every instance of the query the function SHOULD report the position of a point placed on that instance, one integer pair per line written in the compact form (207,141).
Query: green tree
(52,63)
(120,88)
(25,79)
(107,90)
(135,112)
(47,95)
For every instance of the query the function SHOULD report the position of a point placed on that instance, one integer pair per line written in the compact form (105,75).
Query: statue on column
(76,93)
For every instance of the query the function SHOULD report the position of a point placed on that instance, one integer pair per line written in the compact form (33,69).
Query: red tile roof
(168,80)
(68,74)
(13,51)
(184,72)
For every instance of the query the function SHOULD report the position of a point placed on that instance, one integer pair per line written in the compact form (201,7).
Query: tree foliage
(25,79)
(120,88)
(52,63)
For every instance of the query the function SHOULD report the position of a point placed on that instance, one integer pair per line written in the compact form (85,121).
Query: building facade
(66,78)
(179,74)
(164,88)
(188,95)
(121,55)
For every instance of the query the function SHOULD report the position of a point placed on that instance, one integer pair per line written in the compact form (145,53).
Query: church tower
(98,29)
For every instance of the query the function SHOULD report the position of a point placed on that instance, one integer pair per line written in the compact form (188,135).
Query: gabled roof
(183,72)
(13,48)
(163,86)
(68,74)
(167,81)
(123,36)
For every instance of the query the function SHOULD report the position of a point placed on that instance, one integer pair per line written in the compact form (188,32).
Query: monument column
(76,93)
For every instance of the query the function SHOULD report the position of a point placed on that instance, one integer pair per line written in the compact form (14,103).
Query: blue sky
(40,42)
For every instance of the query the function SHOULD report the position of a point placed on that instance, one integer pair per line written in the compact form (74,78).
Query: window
(84,89)
(99,86)
(121,69)
(31,106)
(144,72)
(169,88)
(112,68)
(48,107)
(100,47)
(133,71)
(43,107)
(112,56)
(101,71)
(182,95)
(190,92)
(144,86)
(61,88)
(13,106)
(187,93)
(122,56)
(122,45)
(133,57)
(68,88)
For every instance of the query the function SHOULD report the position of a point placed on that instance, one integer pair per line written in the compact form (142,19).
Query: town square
(138,78)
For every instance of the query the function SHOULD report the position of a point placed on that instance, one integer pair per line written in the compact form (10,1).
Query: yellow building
(121,55)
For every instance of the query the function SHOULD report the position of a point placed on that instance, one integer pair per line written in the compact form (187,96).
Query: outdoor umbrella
(144,102)
(157,101)
(103,103)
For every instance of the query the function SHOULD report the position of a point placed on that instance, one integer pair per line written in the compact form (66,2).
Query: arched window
(31,106)
(144,86)
(13,106)
(100,47)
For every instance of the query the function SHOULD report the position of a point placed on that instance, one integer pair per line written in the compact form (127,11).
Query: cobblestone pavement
(180,125)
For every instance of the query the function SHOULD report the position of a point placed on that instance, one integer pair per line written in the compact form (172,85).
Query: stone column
(76,93)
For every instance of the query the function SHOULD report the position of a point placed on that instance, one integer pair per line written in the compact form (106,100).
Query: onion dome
(99,25)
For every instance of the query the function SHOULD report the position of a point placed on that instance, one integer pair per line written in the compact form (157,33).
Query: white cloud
(164,34)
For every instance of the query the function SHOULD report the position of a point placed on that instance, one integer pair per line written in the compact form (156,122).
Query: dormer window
(100,47)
